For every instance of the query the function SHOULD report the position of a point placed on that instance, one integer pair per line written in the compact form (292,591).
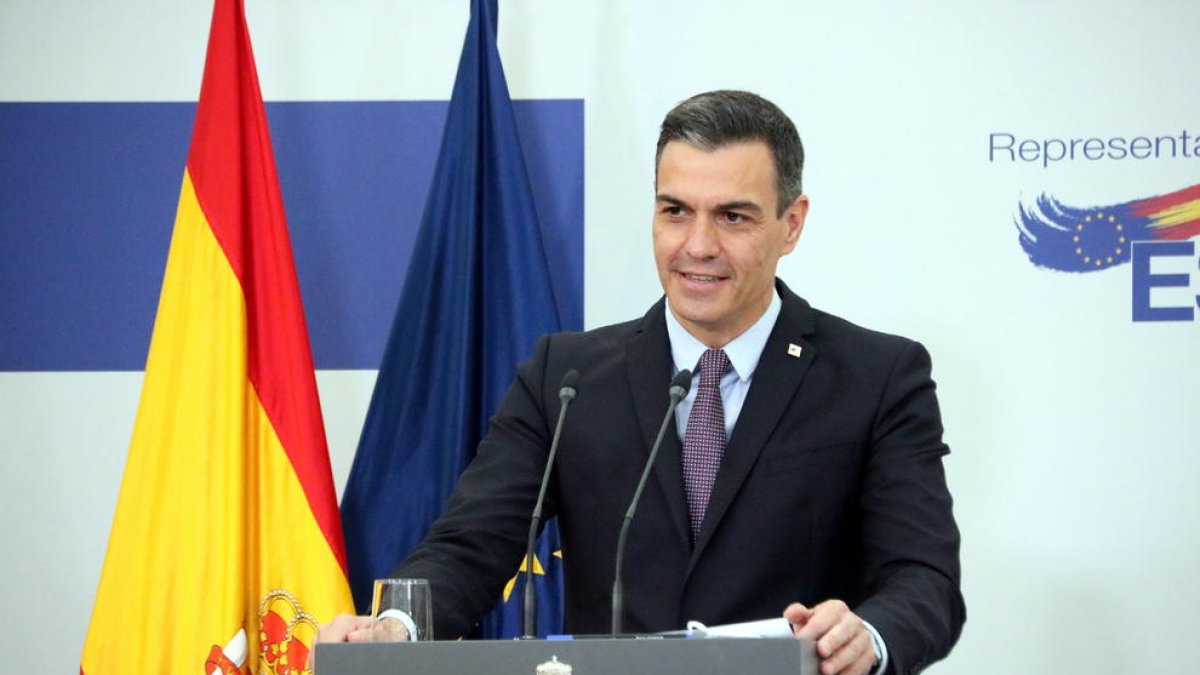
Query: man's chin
(694,312)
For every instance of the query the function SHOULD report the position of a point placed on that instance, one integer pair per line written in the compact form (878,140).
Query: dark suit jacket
(831,487)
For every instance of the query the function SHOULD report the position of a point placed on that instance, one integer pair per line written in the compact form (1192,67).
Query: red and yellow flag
(226,548)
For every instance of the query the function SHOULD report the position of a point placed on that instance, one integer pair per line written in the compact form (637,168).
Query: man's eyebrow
(740,205)
(675,201)
(736,205)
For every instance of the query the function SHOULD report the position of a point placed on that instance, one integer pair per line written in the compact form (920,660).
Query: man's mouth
(702,277)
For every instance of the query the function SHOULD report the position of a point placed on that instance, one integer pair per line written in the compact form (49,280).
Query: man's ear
(793,218)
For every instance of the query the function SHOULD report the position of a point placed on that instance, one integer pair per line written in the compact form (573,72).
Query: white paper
(765,628)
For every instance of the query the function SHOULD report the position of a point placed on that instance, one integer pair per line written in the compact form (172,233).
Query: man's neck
(744,349)
(717,338)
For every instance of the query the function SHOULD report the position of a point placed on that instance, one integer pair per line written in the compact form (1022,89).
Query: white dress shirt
(743,352)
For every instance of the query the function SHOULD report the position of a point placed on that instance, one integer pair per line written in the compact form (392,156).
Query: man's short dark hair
(718,118)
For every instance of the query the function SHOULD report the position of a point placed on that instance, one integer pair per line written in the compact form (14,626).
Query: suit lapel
(650,367)
(784,362)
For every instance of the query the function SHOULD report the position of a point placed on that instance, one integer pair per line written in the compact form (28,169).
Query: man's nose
(702,241)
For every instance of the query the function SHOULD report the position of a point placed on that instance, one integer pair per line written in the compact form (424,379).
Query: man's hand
(347,628)
(843,642)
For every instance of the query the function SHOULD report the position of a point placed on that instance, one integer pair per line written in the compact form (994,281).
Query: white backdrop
(1073,428)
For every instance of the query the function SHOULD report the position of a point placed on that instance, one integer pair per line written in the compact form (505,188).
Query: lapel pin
(794,349)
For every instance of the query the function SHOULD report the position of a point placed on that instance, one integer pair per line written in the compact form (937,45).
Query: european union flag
(477,295)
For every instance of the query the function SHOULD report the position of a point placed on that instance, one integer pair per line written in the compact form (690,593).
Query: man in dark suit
(805,466)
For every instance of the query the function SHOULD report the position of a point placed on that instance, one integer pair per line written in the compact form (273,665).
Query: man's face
(717,239)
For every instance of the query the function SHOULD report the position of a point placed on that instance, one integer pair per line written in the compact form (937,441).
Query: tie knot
(713,364)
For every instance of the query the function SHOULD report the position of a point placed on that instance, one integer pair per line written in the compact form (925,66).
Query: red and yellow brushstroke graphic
(1171,217)
(226,547)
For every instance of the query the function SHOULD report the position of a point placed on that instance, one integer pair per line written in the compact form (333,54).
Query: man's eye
(734,217)
(673,211)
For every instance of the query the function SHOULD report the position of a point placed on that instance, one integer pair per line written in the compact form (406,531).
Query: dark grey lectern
(714,656)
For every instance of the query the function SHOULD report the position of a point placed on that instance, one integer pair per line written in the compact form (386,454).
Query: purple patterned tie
(704,440)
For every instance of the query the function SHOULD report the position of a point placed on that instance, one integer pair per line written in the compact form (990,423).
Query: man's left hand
(843,641)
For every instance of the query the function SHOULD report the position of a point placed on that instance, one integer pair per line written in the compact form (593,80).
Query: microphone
(678,391)
(566,393)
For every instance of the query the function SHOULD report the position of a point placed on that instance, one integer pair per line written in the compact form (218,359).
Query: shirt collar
(744,351)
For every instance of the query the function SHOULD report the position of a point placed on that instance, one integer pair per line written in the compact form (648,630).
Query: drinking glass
(411,596)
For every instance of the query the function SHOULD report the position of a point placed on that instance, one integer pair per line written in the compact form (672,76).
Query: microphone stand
(678,391)
(566,394)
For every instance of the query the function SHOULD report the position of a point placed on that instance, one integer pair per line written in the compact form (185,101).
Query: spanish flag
(226,549)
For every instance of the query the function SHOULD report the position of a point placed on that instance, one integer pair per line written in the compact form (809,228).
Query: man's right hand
(348,628)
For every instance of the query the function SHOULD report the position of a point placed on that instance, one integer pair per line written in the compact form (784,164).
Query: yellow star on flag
(537,569)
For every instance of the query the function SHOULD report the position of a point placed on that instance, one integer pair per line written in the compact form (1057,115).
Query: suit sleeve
(477,543)
(910,540)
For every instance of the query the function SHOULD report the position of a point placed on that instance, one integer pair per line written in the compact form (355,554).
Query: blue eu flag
(477,295)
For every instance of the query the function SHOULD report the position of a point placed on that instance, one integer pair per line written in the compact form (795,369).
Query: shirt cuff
(410,625)
(881,655)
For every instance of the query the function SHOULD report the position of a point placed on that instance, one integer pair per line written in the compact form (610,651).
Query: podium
(615,656)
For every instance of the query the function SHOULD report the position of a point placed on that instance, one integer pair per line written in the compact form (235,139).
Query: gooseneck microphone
(566,393)
(678,391)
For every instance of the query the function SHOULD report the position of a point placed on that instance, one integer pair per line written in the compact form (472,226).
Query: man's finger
(797,615)
(847,628)
(824,617)
(337,630)
(853,657)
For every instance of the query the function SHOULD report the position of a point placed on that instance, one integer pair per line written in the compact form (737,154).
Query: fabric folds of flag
(1085,239)
(226,548)
(477,295)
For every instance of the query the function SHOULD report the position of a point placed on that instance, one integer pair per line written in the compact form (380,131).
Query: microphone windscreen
(567,390)
(681,384)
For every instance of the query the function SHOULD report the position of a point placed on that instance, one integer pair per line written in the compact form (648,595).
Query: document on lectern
(764,628)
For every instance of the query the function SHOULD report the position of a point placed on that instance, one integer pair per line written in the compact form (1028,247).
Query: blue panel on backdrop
(88,193)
